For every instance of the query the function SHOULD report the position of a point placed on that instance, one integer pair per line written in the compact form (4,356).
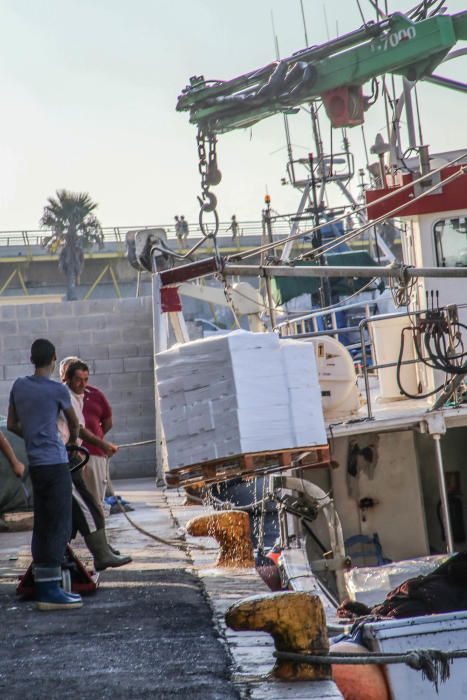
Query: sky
(89,89)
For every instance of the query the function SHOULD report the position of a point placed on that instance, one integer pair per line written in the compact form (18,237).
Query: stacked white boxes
(238,393)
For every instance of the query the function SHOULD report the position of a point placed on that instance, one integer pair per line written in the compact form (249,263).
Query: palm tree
(74,227)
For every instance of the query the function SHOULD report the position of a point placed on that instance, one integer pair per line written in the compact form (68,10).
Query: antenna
(286,121)
(304,23)
(326,22)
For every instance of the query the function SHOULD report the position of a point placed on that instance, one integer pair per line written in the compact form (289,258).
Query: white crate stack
(238,393)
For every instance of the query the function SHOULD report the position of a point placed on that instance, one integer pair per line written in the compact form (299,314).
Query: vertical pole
(268,225)
(443,493)
(409,112)
(325,288)
(159,335)
(288,246)
(272,314)
(362,325)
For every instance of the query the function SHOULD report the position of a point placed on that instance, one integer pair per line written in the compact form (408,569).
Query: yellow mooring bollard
(297,623)
(231,529)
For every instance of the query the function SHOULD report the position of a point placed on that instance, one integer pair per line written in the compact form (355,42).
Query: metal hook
(202,225)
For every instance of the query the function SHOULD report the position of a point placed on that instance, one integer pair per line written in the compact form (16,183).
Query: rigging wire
(336,305)
(379,13)
(365,146)
(361,13)
(276,244)
(353,234)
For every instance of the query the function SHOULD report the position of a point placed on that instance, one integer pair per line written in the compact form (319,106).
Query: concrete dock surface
(154,629)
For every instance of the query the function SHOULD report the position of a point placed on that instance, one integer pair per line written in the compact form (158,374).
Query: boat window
(451,242)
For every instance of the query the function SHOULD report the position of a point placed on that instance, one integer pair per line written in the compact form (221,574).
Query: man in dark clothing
(35,403)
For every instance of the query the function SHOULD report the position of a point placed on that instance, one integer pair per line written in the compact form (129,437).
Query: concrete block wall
(114,337)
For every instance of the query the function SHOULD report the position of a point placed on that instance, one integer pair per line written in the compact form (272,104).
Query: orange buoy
(359,682)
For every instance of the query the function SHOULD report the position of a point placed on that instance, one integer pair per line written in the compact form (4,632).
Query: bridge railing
(31,242)
(116,234)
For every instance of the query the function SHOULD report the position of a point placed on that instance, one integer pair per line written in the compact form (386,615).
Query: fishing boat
(382,502)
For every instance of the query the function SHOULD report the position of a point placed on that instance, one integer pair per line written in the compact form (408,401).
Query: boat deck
(392,416)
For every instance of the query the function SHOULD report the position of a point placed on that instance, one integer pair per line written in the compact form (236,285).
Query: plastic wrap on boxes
(238,393)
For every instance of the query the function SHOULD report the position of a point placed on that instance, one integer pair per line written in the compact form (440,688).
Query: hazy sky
(89,89)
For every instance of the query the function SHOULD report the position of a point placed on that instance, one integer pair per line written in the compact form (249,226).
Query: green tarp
(286,288)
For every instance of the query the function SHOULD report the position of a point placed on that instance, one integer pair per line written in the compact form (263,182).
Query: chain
(210,176)
(228,297)
(262,517)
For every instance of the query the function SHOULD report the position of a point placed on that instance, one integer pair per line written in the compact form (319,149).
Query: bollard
(231,529)
(297,623)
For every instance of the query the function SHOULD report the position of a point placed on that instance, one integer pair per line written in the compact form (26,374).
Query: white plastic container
(387,335)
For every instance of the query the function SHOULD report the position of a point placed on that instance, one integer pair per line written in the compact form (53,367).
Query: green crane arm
(394,45)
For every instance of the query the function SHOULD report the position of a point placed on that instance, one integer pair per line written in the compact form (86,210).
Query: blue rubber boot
(51,596)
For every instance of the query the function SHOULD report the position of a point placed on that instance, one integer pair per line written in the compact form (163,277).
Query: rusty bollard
(297,623)
(231,529)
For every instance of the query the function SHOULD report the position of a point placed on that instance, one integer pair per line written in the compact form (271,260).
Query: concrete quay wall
(114,337)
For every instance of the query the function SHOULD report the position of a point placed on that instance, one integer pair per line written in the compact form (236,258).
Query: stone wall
(113,336)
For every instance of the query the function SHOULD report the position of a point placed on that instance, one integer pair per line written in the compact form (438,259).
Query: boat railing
(327,319)
(367,338)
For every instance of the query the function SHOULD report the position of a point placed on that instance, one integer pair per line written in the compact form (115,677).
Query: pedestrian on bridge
(234,227)
(178,230)
(185,229)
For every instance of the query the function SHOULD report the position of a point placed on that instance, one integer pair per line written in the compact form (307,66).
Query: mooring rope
(181,544)
(433,663)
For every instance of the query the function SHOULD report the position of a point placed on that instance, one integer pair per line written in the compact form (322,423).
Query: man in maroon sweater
(98,419)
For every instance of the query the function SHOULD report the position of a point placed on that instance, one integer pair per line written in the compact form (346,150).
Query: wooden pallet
(248,466)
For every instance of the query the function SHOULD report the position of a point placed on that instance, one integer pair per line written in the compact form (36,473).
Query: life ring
(359,682)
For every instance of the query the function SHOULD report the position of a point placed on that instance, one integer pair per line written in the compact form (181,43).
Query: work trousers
(88,514)
(95,475)
(51,485)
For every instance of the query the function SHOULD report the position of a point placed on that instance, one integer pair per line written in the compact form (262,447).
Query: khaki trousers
(95,475)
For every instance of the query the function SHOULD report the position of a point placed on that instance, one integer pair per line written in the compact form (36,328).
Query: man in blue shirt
(35,403)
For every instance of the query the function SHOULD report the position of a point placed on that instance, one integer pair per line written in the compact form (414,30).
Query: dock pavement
(154,629)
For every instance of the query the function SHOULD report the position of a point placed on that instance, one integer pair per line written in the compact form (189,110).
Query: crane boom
(334,72)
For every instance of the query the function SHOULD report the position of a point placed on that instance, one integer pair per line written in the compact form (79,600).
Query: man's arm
(12,422)
(106,424)
(17,466)
(107,447)
(73,424)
